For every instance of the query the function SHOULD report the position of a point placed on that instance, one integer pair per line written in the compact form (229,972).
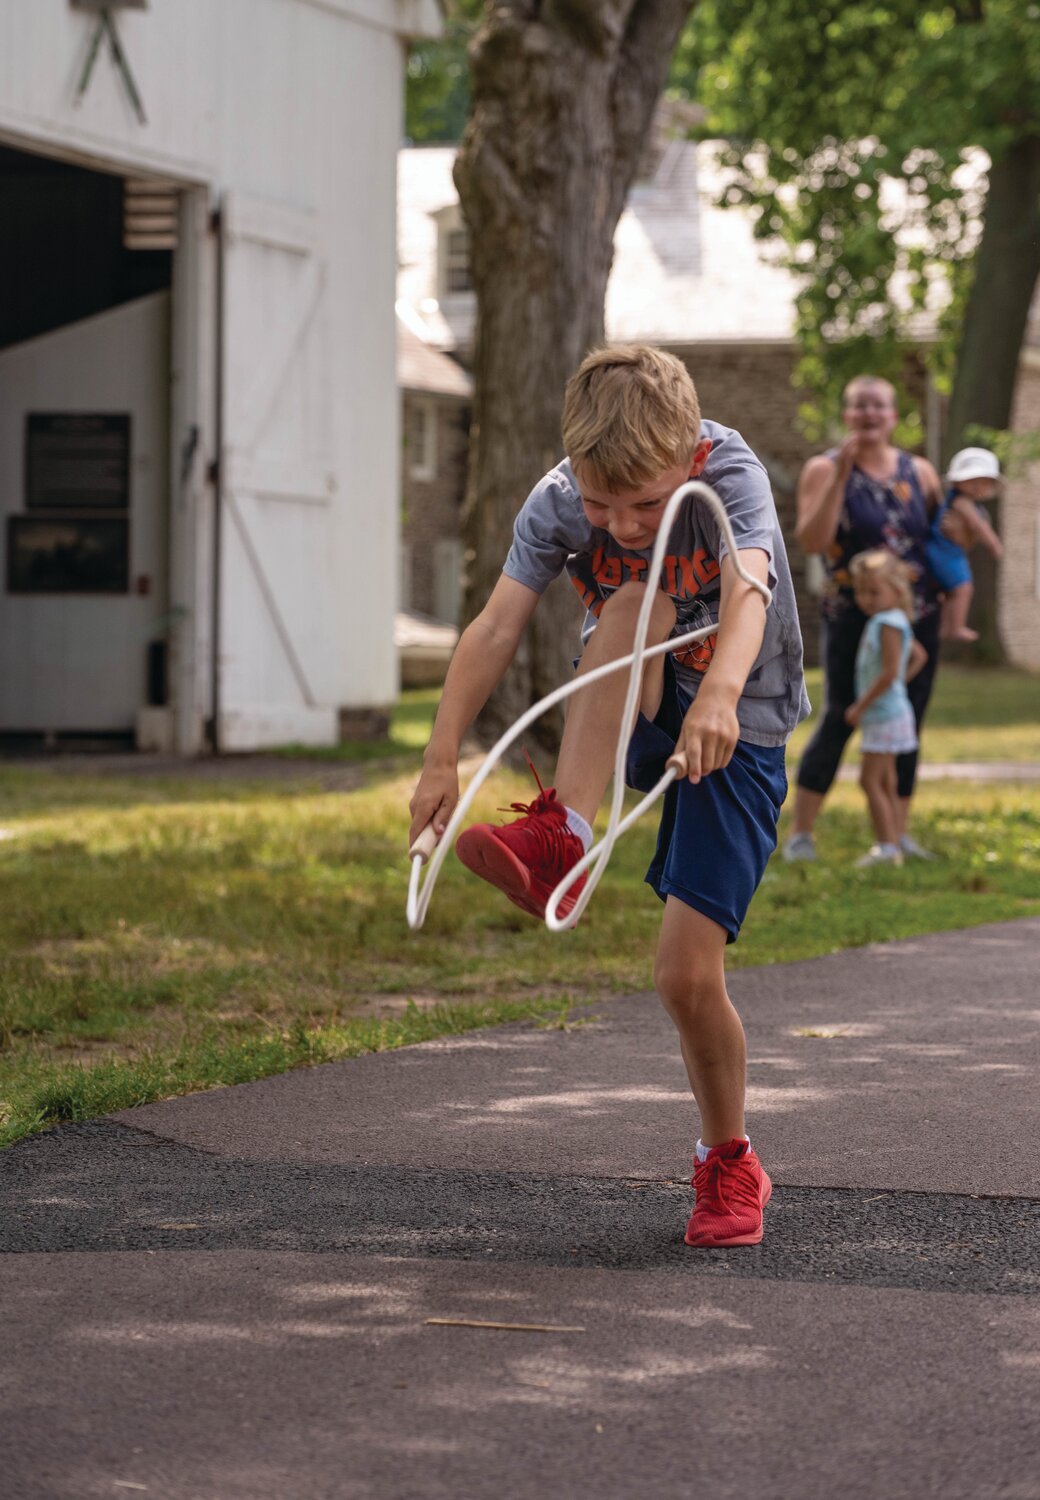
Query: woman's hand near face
(848,455)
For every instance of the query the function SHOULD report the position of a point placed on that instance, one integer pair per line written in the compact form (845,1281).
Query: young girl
(887,658)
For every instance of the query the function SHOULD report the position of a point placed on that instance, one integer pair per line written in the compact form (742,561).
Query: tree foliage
(855,136)
(437,79)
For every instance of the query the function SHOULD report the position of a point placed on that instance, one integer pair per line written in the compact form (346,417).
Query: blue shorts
(715,837)
(947,563)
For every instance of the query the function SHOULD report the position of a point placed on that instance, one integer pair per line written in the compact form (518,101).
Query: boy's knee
(685,989)
(626,602)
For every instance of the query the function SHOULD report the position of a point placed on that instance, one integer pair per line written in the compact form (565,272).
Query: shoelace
(549,834)
(741,1188)
(541,802)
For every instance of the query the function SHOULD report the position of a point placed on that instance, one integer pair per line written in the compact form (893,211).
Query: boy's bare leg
(594,717)
(953,625)
(691,982)
(877,778)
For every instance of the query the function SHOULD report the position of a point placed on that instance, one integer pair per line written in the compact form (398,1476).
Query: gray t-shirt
(552,533)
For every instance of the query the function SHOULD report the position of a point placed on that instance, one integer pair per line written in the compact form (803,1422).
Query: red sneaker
(732,1190)
(529,857)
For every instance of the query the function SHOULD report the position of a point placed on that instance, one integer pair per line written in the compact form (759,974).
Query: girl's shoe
(732,1190)
(911,849)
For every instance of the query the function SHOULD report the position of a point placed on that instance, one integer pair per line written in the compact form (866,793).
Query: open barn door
(277,648)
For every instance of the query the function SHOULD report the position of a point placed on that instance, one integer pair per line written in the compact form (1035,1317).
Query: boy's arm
(978,525)
(891,651)
(710,730)
(485,649)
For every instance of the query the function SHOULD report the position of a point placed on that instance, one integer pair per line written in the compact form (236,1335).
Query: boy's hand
(433,800)
(852,714)
(709,734)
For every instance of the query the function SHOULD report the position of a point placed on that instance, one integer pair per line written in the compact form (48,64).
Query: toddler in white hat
(973,475)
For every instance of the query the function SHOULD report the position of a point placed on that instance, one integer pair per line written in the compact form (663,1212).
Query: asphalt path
(227,1297)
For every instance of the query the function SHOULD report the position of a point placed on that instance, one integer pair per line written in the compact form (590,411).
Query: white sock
(702,1149)
(578,826)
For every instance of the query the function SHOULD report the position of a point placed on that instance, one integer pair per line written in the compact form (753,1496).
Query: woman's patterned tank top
(879,513)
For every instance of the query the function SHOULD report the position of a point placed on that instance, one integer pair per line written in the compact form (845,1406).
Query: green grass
(158,937)
(159,948)
(976,714)
(409,732)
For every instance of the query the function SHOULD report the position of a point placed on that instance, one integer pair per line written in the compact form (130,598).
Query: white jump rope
(596,859)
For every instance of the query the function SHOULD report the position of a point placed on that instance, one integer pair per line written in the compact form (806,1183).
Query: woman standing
(865,494)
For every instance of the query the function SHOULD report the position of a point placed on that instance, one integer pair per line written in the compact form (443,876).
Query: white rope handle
(597,857)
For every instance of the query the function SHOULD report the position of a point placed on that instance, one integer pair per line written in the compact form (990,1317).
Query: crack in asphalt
(104,1187)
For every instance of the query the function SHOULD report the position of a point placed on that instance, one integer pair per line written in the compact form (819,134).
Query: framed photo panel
(70,555)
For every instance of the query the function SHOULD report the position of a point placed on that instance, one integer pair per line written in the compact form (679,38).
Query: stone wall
(432,506)
(1020,528)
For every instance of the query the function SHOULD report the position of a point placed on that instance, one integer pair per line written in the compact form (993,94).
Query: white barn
(199,446)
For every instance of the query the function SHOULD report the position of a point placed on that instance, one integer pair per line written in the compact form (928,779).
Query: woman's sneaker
(526,859)
(799,846)
(732,1190)
(879,854)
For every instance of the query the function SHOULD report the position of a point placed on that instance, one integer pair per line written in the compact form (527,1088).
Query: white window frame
(448,558)
(815,574)
(453,256)
(421,460)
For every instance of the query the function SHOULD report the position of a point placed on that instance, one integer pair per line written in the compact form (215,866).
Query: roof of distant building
(422,368)
(686,271)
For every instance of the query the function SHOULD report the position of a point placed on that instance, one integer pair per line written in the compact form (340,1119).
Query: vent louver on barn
(149,214)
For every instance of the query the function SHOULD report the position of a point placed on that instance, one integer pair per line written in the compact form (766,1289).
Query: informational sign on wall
(77,461)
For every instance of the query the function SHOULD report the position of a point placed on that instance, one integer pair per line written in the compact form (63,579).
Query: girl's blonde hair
(630,413)
(879,561)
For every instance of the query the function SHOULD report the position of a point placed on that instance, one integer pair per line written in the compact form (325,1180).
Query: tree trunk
(562,98)
(1006,272)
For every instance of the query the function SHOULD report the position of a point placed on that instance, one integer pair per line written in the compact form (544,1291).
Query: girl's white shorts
(891,736)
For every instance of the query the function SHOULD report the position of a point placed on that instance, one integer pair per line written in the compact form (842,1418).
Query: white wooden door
(277,651)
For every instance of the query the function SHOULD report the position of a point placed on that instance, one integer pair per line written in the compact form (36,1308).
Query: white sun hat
(973,463)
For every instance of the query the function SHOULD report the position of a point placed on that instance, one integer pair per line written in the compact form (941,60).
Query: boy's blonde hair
(629,414)
(879,560)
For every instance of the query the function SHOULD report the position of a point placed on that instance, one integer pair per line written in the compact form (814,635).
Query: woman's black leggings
(819,764)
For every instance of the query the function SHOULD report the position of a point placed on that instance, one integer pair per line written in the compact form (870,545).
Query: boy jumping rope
(633,432)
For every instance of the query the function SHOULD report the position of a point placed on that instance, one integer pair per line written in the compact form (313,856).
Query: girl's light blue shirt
(894,701)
